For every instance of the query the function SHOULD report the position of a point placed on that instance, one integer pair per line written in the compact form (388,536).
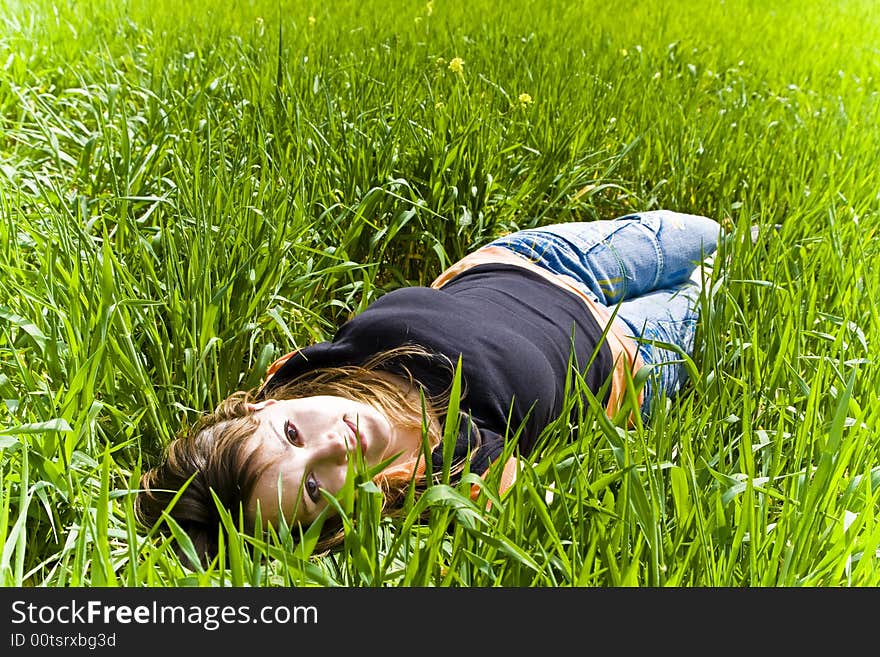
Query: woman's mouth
(359,439)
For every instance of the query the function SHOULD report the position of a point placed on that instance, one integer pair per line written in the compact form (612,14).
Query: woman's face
(307,443)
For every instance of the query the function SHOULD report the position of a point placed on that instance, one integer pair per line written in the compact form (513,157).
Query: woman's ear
(258,406)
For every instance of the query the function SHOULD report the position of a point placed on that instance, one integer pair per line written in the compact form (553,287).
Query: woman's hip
(620,258)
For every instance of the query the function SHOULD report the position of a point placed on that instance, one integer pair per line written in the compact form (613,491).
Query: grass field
(186,194)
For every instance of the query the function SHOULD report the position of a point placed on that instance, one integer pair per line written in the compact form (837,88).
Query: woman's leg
(668,316)
(621,258)
(643,263)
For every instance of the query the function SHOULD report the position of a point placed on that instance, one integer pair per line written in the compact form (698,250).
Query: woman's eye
(291,432)
(312,489)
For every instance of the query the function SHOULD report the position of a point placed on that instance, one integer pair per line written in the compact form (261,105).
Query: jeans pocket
(586,236)
(652,219)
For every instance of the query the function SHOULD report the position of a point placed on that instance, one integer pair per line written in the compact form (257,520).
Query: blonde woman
(519,315)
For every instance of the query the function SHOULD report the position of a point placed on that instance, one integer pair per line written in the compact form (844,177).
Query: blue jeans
(640,263)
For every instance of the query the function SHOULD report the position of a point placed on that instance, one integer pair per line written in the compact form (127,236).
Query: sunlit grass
(187,193)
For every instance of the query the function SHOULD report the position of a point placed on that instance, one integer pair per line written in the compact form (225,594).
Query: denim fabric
(641,263)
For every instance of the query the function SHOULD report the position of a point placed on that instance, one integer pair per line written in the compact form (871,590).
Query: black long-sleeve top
(514,332)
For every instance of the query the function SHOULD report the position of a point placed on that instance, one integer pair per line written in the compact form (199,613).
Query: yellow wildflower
(429,8)
(456,65)
(312,20)
(525,99)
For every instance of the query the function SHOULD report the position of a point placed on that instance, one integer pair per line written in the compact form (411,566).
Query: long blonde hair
(211,456)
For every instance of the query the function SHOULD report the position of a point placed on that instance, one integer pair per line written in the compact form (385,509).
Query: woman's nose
(332,447)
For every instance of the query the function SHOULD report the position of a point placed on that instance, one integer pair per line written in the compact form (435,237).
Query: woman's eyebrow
(301,512)
(280,433)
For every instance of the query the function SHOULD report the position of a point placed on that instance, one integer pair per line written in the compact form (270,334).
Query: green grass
(186,194)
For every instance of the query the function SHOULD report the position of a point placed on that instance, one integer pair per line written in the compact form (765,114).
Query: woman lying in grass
(520,315)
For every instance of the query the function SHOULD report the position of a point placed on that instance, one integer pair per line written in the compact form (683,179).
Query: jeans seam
(624,292)
(607,243)
(655,242)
